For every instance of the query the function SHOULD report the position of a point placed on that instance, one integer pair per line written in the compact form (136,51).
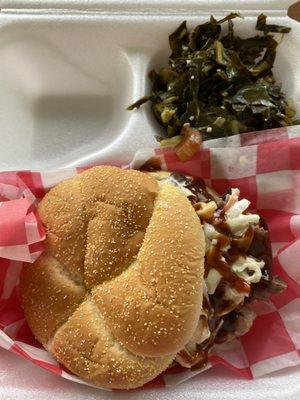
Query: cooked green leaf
(138,103)
(251,95)
(262,25)
(219,84)
(178,39)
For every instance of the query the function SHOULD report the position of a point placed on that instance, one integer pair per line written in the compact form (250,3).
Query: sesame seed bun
(118,291)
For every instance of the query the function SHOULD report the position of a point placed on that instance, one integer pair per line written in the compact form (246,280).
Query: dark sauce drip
(261,245)
(256,243)
(196,185)
(202,359)
(223,314)
(229,326)
(243,244)
(198,188)
(213,260)
(199,358)
(153,164)
(206,305)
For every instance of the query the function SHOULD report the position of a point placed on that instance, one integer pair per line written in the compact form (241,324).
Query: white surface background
(21,380)
(67,76)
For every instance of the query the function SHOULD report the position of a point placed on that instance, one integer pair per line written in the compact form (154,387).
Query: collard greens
(219,84)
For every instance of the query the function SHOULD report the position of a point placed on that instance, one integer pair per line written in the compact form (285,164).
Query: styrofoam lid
(69,69)
(149,5)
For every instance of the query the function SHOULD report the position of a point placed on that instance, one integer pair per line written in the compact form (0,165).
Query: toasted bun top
(118,291)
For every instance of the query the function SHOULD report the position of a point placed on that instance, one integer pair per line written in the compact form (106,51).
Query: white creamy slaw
(232,212)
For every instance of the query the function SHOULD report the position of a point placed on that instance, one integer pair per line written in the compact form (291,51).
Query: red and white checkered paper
(266,168)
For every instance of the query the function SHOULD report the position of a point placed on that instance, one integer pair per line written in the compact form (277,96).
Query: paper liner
(266,168)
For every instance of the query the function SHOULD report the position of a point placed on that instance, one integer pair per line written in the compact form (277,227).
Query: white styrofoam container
(68,69)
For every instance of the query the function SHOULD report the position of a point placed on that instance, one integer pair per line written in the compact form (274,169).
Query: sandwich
(143,270)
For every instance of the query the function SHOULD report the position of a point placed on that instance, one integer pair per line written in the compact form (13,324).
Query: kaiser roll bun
(118,291)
